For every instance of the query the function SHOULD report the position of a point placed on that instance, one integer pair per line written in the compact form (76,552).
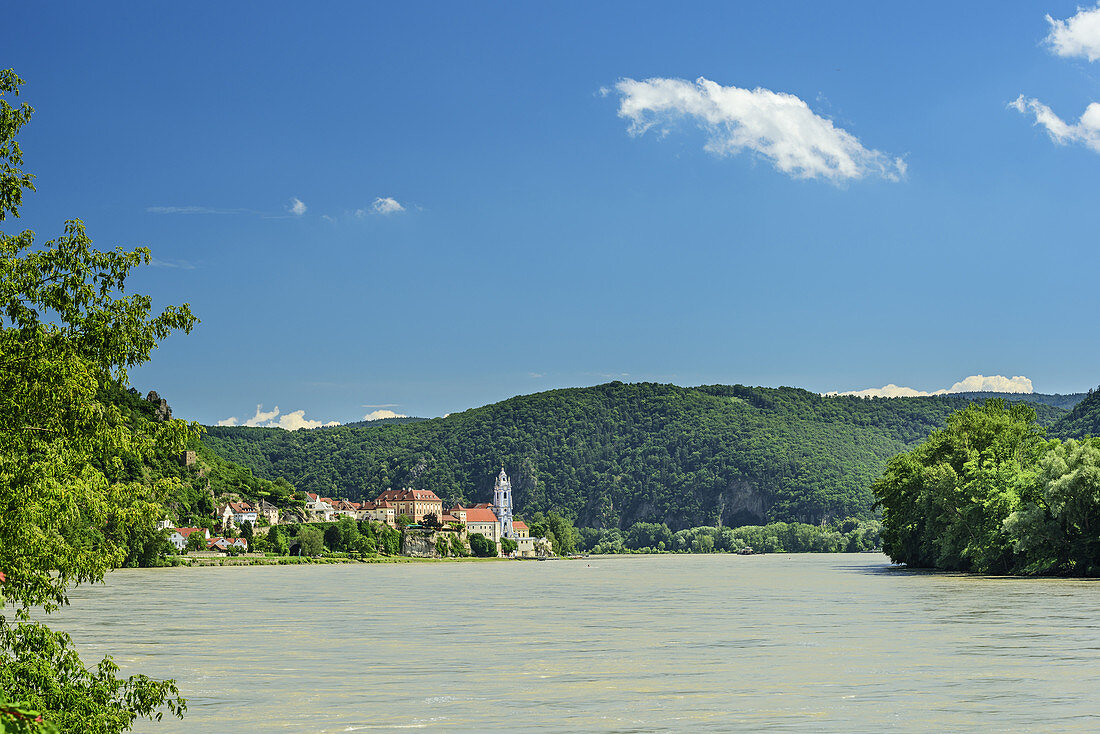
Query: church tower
(502,503)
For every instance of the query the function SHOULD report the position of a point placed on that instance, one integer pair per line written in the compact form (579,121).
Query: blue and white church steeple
(502,503)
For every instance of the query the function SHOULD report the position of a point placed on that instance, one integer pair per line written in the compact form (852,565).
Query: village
(426,529)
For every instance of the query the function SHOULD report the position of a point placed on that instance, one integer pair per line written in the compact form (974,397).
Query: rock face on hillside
(160,406)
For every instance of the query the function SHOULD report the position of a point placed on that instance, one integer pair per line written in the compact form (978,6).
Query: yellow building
(416,503)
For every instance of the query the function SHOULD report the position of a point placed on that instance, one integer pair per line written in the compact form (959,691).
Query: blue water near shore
(715,643)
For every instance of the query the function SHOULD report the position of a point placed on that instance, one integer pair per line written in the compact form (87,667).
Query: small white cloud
(297,207)
(974,383)
(297,419)
(384,413)
(261,417)
(273,419)
(1078,35)
(536,375)
(1086,130)
(386,205)
(181,264)
(777,126)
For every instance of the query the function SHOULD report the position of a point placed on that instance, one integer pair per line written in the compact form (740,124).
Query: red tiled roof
(519,524)
(186,532)
(480,514)
(407,495)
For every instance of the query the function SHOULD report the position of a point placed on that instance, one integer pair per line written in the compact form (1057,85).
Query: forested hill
(619,453)
(1083,420)
(1057,400)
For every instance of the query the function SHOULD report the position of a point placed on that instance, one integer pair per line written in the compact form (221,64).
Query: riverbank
(185,561)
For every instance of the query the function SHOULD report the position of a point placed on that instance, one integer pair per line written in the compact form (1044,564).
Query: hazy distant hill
(1066,402)
(382,421)
(618,453)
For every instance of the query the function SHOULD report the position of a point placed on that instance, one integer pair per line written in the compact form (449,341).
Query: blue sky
(574,205)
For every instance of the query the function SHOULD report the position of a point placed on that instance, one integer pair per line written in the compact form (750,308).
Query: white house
(320,508)
(223,544)
(235,514)
(178,536)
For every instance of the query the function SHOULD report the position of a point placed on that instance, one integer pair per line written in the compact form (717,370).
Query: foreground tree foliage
(68,334)
(989,494)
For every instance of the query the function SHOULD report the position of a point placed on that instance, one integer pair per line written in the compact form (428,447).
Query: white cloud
(386,205)
(297,419)
(375,415)
(993,383)
(272,419)
(297,206)
(1076,36)
(181,264)
(974,383)
(1086,130)
(777,126)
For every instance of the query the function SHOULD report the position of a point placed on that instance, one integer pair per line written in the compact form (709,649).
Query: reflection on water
(835,643)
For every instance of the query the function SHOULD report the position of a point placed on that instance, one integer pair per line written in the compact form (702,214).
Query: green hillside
(1058,400)
(1083,420)
(615,454)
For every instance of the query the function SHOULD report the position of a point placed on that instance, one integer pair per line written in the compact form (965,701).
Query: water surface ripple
(716,643)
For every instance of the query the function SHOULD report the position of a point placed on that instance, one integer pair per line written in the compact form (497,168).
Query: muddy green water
(830,643)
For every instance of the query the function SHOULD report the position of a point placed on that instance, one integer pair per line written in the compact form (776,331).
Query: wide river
(699,643)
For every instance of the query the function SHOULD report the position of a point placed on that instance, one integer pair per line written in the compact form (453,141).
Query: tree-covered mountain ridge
(1083,420)
(615,454)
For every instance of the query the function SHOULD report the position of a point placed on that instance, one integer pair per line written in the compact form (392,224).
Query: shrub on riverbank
(848,536)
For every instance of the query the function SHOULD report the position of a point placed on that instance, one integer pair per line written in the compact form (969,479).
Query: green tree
(349,532)
(277,541)
(508,546)
(196,541)
(442,547)
(459,549)
(365,545)
(246,531)
(945,503)
(482,547)
(389,540)
(1057,529)
(334,539)
(311,540)
(68,335)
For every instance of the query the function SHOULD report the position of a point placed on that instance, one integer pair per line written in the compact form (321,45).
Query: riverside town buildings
(496,520)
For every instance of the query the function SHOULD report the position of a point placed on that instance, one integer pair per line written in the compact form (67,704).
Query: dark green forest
(616,454)
(1083,420)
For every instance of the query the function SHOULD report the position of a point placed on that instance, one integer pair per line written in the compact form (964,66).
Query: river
(701,643)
